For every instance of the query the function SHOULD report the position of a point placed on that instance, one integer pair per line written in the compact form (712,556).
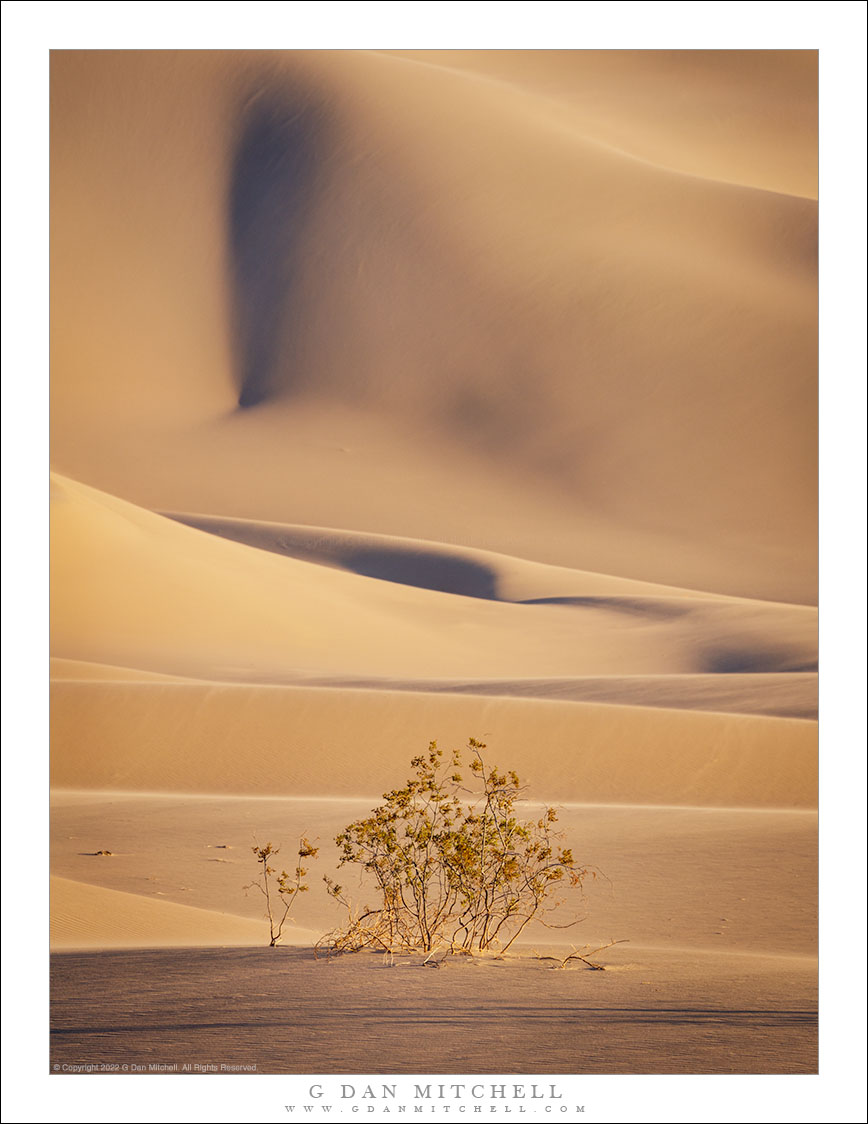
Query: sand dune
(85,916)
(405,395)
(216,609)
(429,565)
(345,669)
(491,303)
(634,100)
(316,741)
(783,695)
(74,671)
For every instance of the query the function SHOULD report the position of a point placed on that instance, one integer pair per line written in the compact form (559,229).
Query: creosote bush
(280,891)
(453,865)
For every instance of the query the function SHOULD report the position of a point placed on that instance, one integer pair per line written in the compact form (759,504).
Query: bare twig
(583,954)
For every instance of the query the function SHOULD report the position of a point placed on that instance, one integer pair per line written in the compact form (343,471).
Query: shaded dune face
(423,565)
(272,186)
(461,258)
(541,307)
(432,571)
(729,659)
(729,637)
(214,608)
(637,339)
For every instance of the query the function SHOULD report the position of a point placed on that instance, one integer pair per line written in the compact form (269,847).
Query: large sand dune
(220,609)
(205,608)
(491,323)
(402,396)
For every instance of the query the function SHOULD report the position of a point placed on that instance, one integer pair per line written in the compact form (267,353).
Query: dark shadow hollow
(740,661)
(635,606)
(272,188)
(404,565)
(425,571)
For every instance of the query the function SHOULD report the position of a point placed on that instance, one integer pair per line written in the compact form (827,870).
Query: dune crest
(316,741)
(487,301)
(86,916)
(217,609)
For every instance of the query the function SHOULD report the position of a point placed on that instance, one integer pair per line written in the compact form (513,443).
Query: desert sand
(401,396)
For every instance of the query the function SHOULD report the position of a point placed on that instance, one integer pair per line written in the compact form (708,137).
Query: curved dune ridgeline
(457,305)
(207,607)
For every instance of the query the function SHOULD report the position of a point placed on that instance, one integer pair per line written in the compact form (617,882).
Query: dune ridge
(429,565)
(785,696)
(317,741)
(317,652)
(766,136)
(219,609)
(641,341)
(91,916)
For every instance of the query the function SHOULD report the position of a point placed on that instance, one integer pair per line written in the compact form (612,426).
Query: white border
(838,31)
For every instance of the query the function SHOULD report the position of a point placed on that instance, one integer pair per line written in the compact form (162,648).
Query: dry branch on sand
(453,866)
(583,954)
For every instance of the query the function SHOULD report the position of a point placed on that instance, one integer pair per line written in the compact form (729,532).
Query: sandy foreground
(719,975)
(403,396)
(647,1013)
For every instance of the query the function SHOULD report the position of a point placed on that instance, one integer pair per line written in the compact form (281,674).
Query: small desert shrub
(452,863)
(279,890)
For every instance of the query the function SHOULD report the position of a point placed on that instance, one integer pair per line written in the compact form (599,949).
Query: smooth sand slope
(762,135)
(314,741)
(489,322)
(84,916)
(137,590)
(219,609)
(774,695)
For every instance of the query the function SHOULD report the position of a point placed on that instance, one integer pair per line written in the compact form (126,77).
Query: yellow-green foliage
(452,863)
